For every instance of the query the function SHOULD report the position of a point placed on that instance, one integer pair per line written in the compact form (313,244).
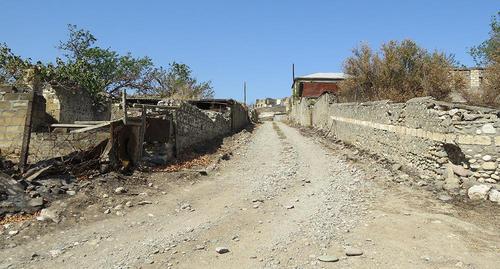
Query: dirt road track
(280,202)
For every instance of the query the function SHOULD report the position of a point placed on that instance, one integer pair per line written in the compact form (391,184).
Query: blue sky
(229,42)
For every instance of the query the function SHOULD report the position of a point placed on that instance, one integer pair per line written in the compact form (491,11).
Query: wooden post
(124,105)
(31,80)
(142,131)
(176,135)
(27,133)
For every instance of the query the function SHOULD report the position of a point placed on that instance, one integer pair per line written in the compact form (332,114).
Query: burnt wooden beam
(27,133)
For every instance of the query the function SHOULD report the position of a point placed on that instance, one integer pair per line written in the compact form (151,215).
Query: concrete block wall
(455,145)
(51,145)
(13,110)
(194,126)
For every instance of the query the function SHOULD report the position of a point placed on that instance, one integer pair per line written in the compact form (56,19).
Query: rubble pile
(47,180)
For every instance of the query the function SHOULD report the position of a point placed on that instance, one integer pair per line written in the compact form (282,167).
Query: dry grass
(489,94)
(18,218)
(280,133)
(186,161)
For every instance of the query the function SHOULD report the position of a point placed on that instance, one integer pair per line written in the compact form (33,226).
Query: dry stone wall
(195,126)
(68,106)
(455,146)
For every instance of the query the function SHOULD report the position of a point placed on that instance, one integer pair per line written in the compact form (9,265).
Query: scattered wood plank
(69,125)
(90,122)
(96,126)
(91,127)
(154,106)
(38,173)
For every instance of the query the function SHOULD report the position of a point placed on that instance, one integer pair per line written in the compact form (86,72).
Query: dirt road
(282,201)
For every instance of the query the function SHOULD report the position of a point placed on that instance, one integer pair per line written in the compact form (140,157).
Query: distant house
(314,85)
(270,102)
(473,78)
(267,102)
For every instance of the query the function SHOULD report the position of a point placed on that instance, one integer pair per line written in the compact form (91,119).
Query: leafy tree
(99,71)
(95,69)
(79,42)
(178,82)
(11,66)
(400,71)
(488,52)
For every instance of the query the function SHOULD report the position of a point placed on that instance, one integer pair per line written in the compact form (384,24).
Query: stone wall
(68,106)
(195,127)
(239,116)
(13,110)
(47,109)
(456,146)
(301,111)
(51,145)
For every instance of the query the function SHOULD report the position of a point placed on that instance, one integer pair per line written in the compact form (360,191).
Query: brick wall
(428,136)
(315,89)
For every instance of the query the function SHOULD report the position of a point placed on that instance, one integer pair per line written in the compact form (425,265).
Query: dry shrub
(489,93)
(400,71)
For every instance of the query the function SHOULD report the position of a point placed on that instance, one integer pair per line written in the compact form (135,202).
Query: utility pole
(293,80)
(245,92)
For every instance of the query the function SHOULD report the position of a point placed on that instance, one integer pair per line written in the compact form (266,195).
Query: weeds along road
(283,201)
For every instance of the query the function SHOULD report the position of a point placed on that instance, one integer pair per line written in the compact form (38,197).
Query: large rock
(479,192)
(328,258)
(495,196)
(49,214)
(452,182)
(488,129)
(459,170)
(36,202)
(221,250)
(489,166)
(120,190)
(351,251)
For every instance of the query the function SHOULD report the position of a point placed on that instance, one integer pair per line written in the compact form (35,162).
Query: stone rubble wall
(45,146)
(68,106)
(194,126)
(455,146)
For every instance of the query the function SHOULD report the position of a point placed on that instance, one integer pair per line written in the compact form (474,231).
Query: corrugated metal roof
(324,76)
